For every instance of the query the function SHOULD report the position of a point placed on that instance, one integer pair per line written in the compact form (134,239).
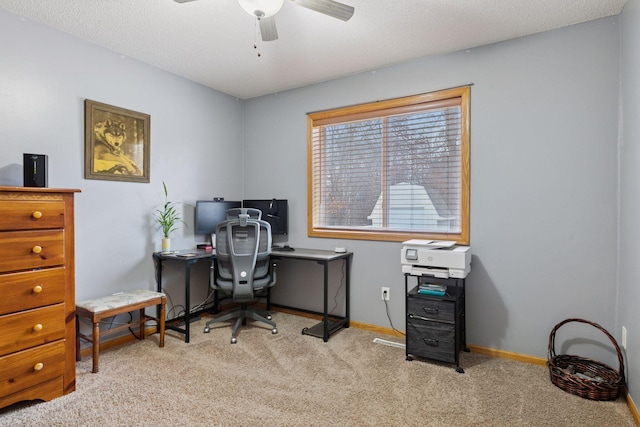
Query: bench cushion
(97,305)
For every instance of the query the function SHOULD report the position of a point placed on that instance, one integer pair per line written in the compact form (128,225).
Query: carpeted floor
(290,379)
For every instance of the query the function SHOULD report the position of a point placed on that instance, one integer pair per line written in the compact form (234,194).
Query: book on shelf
(435,292)
(437,289)
(433,286)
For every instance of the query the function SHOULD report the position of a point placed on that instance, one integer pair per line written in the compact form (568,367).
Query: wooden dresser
(37,294)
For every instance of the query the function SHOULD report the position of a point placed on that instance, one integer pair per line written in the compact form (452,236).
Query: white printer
(441,259)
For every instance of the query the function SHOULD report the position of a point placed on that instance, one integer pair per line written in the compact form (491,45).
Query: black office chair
(243,267)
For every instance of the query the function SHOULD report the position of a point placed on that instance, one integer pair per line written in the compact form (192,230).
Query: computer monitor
(274,211)
(209,213)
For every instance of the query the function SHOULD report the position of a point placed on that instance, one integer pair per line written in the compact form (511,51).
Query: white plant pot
(166,244)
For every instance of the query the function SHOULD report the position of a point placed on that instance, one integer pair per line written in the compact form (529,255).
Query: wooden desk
(329,323)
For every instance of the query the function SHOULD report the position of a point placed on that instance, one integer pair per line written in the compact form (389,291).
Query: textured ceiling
(211,41)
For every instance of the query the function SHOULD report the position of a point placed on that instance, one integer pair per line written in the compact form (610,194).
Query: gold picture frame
(116,143)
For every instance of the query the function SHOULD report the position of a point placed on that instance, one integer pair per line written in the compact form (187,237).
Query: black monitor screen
(209,213)
(274,211)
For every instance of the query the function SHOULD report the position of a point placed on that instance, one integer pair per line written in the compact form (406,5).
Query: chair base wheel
(274,331)
(207,330)
(268,317)
(234,340)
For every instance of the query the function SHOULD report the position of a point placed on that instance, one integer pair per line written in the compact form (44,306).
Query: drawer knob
(37,327)
(36,249)
(37,289)
(38,366)
(36,215)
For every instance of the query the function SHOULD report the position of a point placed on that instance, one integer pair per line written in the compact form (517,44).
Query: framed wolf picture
(116,143)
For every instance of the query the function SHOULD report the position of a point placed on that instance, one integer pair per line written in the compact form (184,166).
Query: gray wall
(544,127)
(627,311)
(544,170)
(196,145)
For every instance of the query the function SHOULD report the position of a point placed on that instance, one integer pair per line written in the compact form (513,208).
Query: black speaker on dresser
(35,170)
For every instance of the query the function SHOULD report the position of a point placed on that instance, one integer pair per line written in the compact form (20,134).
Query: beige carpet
(291,379)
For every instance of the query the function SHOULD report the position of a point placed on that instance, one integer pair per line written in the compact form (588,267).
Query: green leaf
(168,217)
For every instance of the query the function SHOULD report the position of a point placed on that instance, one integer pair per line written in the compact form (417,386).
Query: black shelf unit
(435,325)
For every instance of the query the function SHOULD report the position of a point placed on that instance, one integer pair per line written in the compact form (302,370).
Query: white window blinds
(392,169)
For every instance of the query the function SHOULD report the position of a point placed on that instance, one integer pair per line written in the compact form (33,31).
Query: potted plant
(168,218)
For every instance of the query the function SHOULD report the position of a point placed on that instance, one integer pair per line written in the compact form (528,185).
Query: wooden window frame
(460,96)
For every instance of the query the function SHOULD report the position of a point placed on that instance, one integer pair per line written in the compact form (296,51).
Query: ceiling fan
(265,10)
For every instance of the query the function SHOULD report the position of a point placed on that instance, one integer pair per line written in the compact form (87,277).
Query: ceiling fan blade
(268,29)
(328,7)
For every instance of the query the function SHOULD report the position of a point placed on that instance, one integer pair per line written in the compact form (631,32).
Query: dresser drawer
(31,328)
(28,368)
(26,250)
(432,309)
(31,289)
(31,214)
(37,296)
(433,340)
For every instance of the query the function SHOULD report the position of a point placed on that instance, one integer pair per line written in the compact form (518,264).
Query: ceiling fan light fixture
(261,8)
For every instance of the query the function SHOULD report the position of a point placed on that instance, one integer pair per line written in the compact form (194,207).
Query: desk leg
(213,278)
(187,302)
(326,327)
(347,266)
(158,280)
(325,320)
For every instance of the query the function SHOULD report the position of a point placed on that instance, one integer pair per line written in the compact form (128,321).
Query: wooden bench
(124,302)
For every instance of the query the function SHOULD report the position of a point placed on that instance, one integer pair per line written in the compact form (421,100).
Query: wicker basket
(585,377)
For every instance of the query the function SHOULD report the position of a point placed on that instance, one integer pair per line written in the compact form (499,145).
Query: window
(391,170)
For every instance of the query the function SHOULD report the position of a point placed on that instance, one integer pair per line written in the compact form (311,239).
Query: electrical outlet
(624,338)
(385,294)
